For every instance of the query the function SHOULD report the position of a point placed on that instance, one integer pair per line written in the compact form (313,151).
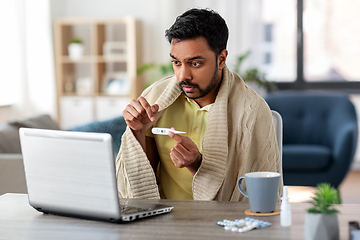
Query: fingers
(179,159)
(181,151)
(180,139)
(155,109)
(139,112)
(179,154)
(184,151)
(145,109)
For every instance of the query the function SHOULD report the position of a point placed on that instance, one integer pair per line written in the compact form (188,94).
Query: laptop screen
(70,172)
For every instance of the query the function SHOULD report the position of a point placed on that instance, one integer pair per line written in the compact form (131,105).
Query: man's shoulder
(241,94)
(240,91)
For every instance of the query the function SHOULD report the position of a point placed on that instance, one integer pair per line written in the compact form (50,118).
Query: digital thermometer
(164,131)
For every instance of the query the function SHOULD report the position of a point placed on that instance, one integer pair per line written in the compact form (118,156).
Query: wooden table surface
(188,220)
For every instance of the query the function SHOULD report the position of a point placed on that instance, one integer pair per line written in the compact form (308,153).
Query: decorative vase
(321,226)
(76,51)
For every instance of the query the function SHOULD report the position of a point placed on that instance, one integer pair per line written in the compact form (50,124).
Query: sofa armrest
(345,142)
(12,175)
(9,133)
(11,156)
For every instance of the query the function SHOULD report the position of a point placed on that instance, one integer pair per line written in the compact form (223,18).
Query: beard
(202,92)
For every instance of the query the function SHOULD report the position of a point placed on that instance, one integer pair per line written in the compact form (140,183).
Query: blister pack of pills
(242,225)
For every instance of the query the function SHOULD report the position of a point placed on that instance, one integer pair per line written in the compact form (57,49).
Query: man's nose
(184,73)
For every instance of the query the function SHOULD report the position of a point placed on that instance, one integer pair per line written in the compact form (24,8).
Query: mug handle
(241,187)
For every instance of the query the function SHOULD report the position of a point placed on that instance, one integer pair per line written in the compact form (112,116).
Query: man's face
(195,66)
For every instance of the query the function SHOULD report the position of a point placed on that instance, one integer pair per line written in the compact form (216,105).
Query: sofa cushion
(115,126)
(9,139)
(306,157)
(41,121)
(9,133)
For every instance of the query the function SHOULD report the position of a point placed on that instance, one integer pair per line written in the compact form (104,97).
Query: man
(229,129)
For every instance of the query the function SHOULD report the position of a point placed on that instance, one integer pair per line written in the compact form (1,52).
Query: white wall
(156,16)
(147,12)
(27,59)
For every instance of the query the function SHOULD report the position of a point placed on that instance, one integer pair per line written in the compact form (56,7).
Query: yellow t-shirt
(187,116)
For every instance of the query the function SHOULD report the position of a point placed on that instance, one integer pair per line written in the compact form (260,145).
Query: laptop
(73,174)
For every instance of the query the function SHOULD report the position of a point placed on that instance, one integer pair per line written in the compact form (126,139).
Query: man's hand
(138,113)
(185,153)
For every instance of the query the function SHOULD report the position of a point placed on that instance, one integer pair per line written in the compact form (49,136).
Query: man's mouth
(188,88)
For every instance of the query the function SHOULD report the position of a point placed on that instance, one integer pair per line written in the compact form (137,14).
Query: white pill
(255,224)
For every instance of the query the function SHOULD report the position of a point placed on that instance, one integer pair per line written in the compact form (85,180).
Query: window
(10,54)
(268,28)
(331,40)
(312,44)
(268,43)
(279,38)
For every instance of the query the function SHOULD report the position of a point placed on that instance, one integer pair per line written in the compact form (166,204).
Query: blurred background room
(82,61)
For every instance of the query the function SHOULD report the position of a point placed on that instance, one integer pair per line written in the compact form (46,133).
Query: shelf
(94,95)
(111,96)
(99,59)
(108,65)
(104,59)
(77,95)
(84,59)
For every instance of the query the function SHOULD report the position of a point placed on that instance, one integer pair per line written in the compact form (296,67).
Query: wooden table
(188,220)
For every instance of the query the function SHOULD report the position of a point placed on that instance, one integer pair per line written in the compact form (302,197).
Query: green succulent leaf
(325,199)
(76,40)
(253,74)
(155,71)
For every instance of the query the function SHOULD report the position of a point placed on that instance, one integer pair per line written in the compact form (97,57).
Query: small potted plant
(157,71)
(76,48)
(254,77)
(321,221)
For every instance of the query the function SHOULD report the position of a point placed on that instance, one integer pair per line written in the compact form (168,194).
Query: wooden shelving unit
(101,83)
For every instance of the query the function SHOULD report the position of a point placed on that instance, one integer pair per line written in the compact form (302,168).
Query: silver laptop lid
(70,172)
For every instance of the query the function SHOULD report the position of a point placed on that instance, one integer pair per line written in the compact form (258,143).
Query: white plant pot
(76,51)
(321,226)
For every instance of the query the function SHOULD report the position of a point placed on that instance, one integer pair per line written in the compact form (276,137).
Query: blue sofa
(320,134)
(115,126)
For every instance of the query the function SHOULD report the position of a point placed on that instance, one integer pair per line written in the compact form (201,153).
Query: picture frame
(114,49)
(84,86)
(116,83)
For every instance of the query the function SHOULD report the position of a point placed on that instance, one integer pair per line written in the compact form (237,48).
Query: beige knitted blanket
(240,138)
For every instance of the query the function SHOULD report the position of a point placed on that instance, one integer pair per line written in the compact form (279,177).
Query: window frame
(300,83)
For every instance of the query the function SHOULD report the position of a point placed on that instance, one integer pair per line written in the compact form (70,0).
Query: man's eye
(175,62)
(196,64)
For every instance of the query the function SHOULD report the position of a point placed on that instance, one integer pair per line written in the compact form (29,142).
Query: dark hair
(200,22)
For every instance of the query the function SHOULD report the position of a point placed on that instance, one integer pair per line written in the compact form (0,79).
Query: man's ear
(222,58)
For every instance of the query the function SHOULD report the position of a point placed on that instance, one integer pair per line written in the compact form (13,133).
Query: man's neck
(202,102)
(210,98)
